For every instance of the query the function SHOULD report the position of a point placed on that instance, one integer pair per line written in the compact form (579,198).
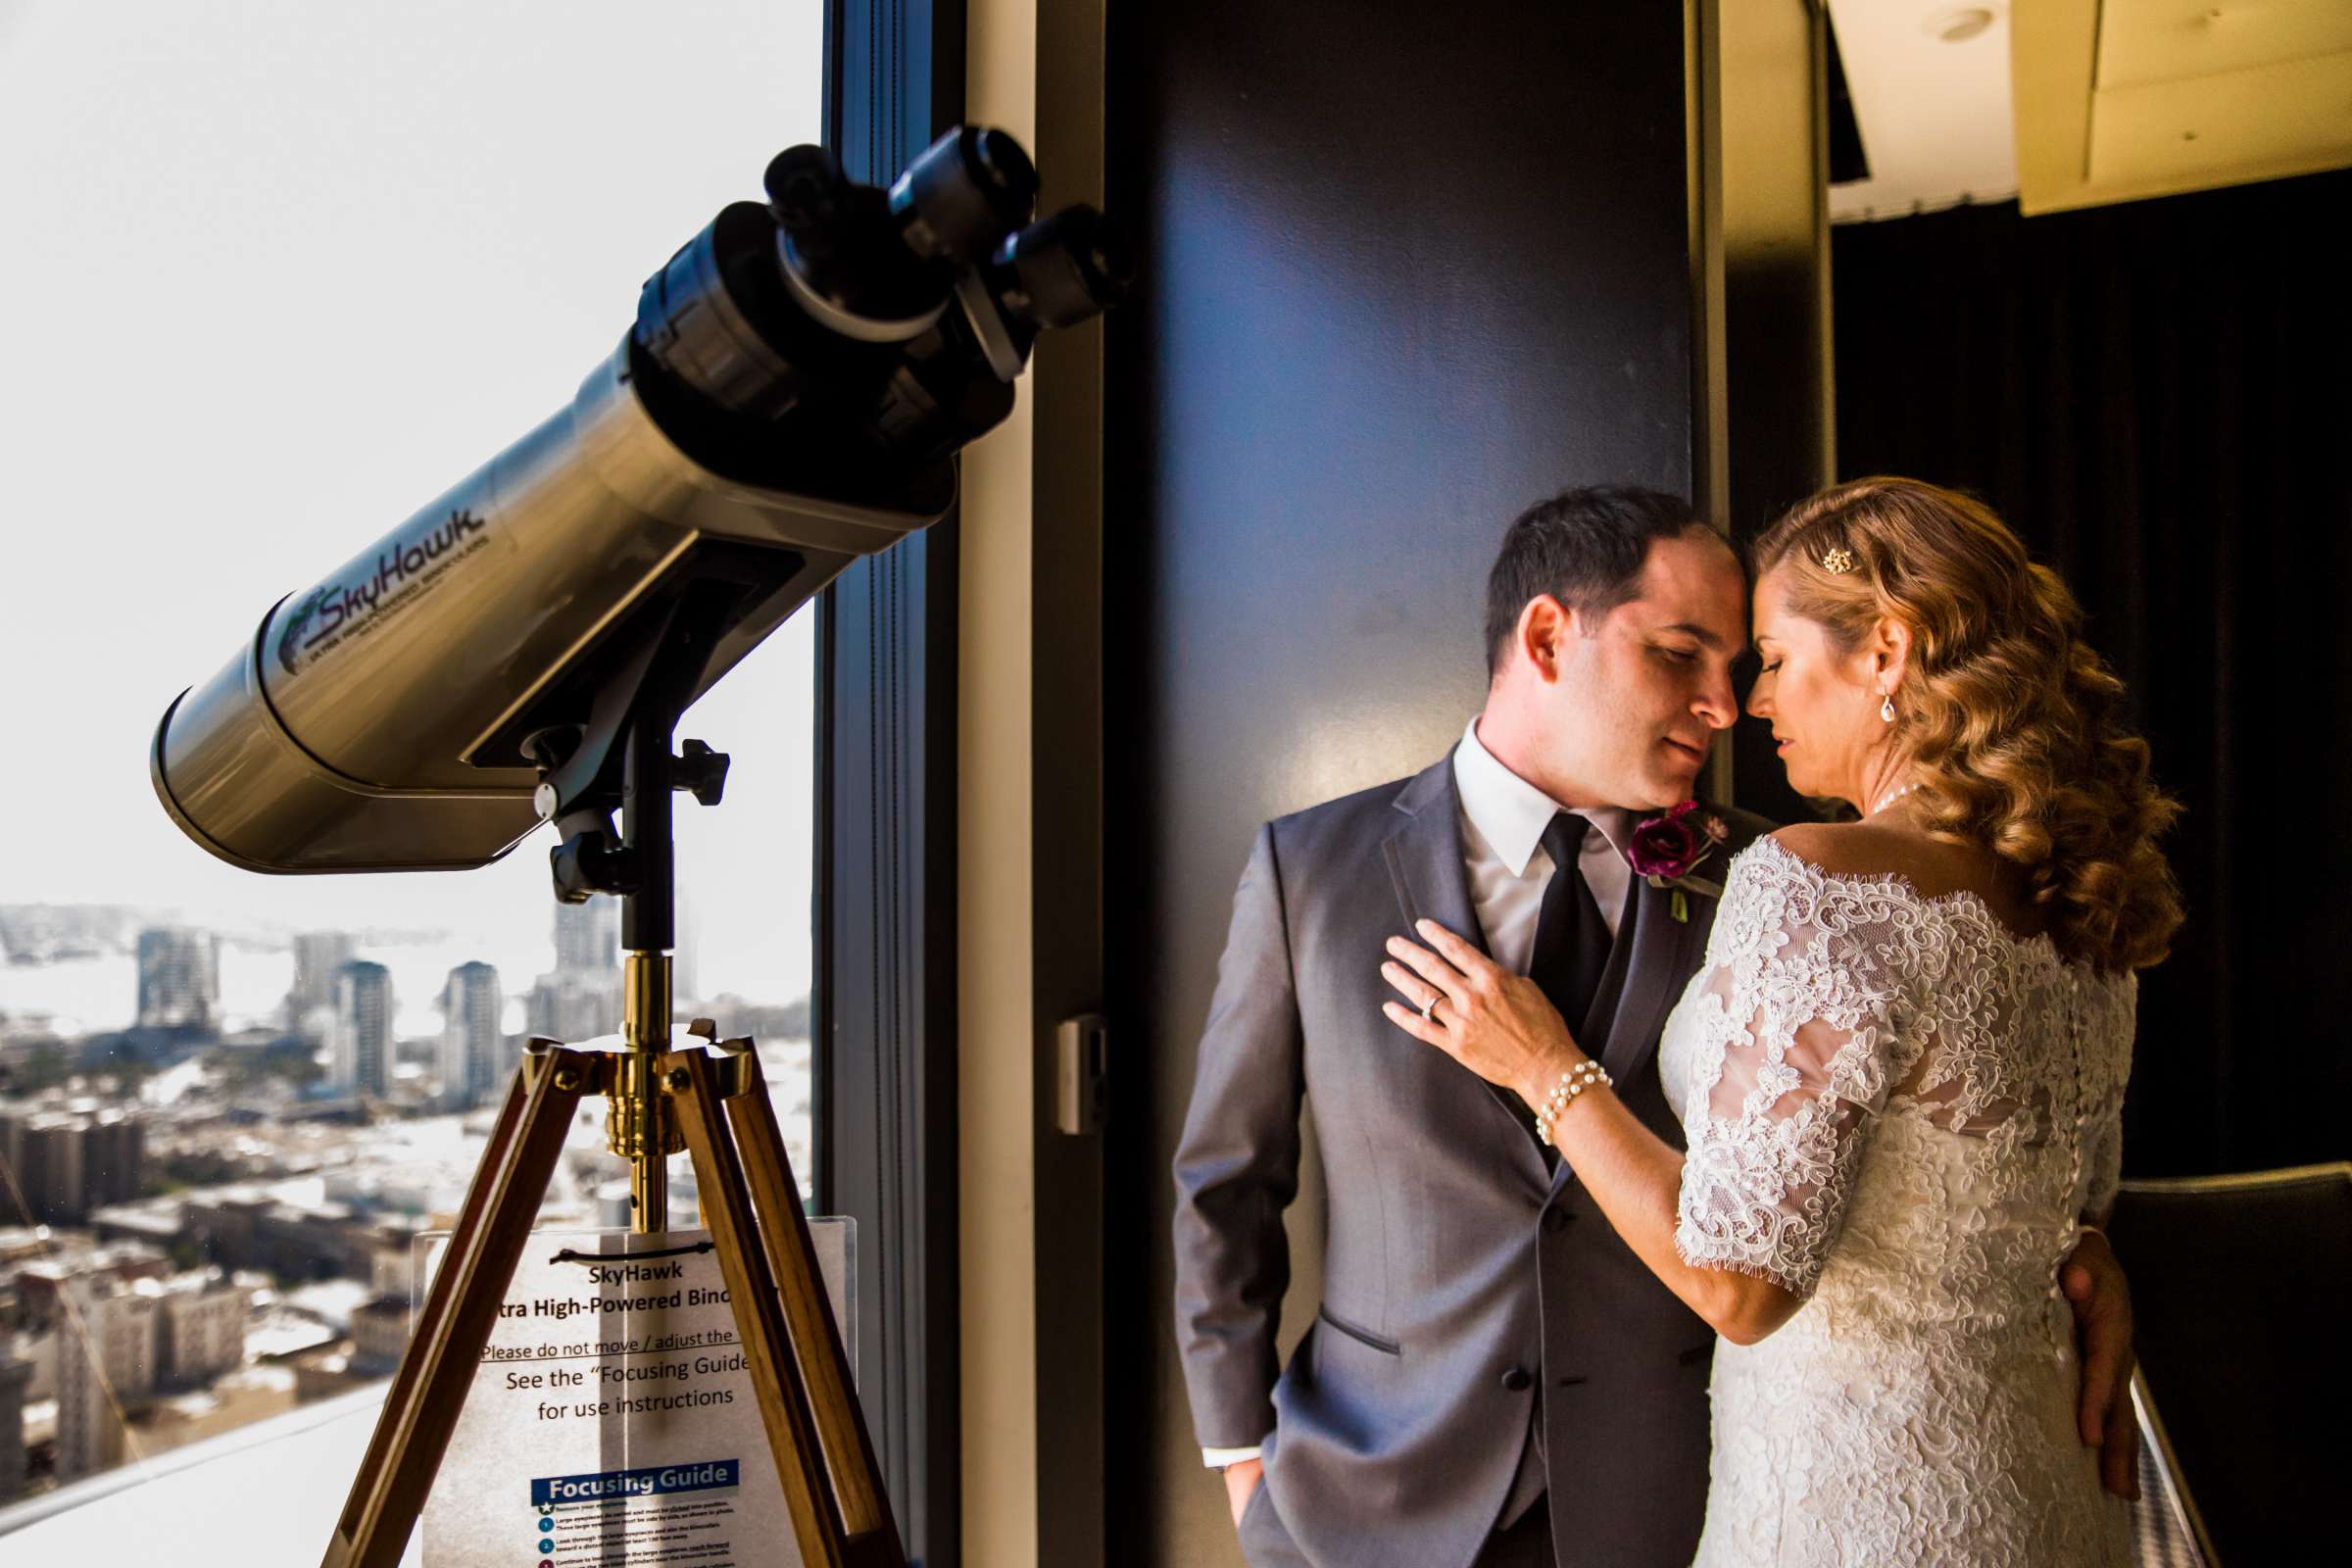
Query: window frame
(883,1009)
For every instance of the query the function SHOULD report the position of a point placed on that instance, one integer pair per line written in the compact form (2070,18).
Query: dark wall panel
(1408,268)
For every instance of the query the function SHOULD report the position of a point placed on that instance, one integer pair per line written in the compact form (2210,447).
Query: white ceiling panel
(1930,83)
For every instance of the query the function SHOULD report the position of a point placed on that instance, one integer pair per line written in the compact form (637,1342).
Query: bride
(1900,1070)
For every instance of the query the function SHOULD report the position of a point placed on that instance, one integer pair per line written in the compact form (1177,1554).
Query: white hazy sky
(277,274)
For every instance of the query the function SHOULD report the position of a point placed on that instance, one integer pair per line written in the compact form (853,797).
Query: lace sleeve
(2107,1046)
(1804,1042)
(2105,1158)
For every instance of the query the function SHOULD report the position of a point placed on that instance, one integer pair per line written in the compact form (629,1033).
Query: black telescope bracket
(621,761)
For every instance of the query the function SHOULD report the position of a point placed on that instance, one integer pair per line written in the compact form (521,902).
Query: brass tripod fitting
(638,1125)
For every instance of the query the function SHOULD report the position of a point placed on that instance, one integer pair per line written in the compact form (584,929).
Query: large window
(284,273)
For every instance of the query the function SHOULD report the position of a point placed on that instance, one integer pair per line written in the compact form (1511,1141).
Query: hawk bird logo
(289,641)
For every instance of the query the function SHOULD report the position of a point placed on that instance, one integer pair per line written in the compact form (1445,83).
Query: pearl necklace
(1891,797)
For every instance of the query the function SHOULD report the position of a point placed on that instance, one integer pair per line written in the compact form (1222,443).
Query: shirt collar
(1509,813)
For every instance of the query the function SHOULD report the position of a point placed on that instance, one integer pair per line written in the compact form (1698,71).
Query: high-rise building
(113,1161)
(581,998)
(13,1376)
(471,1038)
(575,1007)
(118,1339)
(200,1326)
(588,935)
(179,979)
(318,955)
(379,1332)
(361,1040)
(43,1283)
(53,1169)
(69,1162)
(16,1207)
(105,1361)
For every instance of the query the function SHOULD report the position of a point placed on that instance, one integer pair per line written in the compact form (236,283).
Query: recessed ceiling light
(1959,23)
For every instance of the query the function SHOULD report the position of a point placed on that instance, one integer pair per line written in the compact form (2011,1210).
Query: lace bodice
(1899,1110)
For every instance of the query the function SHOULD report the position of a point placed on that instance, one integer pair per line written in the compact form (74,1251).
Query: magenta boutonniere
(1667,848)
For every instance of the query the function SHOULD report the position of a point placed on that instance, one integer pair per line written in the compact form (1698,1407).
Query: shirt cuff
(1219,1458)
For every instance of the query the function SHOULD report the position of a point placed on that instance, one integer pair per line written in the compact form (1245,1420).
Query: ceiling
(2075,103)
(1933,115)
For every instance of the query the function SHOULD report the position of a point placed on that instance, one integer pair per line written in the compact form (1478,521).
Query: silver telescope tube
(350,733)
(792,396)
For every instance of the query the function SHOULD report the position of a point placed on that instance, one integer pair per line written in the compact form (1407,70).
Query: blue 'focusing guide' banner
(597,1485)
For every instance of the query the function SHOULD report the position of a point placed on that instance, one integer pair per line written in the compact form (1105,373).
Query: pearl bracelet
(1575,1081)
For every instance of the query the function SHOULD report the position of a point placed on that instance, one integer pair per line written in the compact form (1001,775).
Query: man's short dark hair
(1584,548)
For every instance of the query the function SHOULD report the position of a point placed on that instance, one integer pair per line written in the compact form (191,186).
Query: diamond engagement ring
(1429,1006)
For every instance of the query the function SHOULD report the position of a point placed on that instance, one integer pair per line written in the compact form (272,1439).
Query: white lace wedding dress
(1899,1110)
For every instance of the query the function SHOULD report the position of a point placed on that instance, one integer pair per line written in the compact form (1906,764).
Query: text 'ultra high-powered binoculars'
(792,396)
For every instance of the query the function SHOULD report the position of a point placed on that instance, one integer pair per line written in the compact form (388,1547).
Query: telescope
(790,398)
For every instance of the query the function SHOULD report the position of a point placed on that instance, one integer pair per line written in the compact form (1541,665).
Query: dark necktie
(1572,940)
(1571,953)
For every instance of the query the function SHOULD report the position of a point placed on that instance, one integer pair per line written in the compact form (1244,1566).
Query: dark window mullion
(886,891)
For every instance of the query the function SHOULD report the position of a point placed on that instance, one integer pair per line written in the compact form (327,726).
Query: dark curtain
(2154,396)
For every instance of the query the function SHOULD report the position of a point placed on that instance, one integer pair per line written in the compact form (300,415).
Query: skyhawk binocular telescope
(791,397)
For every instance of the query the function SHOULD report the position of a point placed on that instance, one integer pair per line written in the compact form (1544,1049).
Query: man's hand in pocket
(1243,1478)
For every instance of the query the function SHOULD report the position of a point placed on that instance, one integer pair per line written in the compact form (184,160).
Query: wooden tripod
(709,1099)
(816,1429)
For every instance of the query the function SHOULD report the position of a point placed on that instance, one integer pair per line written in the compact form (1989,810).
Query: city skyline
(170,976)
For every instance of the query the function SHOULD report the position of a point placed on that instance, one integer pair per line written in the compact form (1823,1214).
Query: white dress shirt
(1504,818)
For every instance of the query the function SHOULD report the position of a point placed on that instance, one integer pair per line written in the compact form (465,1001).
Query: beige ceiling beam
(2116,102)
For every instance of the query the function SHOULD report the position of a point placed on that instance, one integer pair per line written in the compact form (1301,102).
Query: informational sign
(614,1423)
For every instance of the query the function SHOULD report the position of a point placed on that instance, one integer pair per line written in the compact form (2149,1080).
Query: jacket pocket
(1360,1336)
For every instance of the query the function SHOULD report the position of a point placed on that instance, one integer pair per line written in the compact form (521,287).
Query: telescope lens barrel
(1063,269)
(789,399)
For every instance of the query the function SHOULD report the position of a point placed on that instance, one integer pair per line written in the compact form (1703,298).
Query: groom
(1491,1370)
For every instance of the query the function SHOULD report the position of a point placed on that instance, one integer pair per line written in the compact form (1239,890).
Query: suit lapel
(1428,870)
(1657,961)
(1426,861)
(1648,968)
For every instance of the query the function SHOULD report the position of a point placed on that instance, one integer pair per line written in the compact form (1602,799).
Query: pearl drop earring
(1886,707)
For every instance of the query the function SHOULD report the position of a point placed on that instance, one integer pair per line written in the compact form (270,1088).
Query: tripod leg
(759,1324)
(809,1312)
(445,1351)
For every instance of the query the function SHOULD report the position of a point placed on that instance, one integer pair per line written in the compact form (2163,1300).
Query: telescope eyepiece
(842,243)
(804,187)
(1062,269)
(953,202)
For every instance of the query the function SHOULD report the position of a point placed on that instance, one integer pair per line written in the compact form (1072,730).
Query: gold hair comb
(1837,561)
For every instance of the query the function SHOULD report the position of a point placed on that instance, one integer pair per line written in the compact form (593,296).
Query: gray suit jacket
(1459,1277)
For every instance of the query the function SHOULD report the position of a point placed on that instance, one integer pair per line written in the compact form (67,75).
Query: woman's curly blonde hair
(2012,721)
